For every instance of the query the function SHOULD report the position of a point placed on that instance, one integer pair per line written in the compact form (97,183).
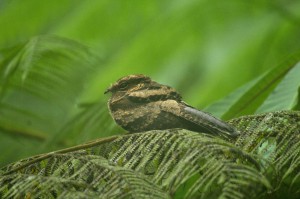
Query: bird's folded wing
(208,121)
(198,118)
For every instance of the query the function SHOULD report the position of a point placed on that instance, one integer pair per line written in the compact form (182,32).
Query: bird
(139,104)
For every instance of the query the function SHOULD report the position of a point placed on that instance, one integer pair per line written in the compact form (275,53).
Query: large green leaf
(247,99)
(285,95)
(222,106)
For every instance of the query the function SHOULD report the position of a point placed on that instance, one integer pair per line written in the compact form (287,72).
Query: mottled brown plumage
(140,104)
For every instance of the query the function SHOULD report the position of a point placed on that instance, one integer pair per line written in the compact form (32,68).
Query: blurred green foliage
(203,48)
(52,86)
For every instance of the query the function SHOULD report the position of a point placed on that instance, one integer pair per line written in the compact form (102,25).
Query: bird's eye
(123,86)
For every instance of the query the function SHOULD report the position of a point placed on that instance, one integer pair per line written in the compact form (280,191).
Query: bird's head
(129,83)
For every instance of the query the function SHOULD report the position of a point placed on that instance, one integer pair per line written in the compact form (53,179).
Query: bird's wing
(198,120)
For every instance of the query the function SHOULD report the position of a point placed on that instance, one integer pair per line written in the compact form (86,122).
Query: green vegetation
(229,58)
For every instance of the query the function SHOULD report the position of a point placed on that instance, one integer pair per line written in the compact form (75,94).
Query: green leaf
(285,95)
(249,98)
(222,106)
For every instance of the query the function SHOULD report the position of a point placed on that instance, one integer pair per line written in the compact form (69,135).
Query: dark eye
(123,86)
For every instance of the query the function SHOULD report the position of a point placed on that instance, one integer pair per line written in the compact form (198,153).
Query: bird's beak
(107,90)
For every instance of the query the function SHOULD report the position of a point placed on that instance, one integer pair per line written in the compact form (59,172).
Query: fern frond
(170,163)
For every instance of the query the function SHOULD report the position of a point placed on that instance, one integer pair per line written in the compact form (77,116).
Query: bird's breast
(135,118)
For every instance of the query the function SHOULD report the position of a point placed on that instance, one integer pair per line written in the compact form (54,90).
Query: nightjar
(139,104)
